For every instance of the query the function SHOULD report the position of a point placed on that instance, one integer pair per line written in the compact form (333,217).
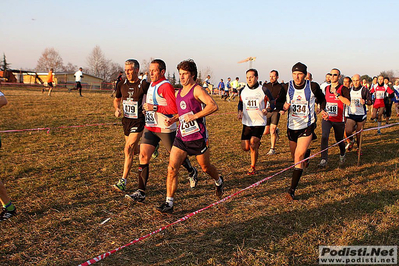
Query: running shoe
(379,132)
(165,208)
(290,195)
(349,146)
(120,186)
(271,152)
(138,196)
(341,160)
(193,178)
(323,163)
(220,189)
(155,153)
(251,171)
(6,214)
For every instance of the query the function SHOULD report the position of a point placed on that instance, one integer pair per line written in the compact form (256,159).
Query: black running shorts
(195,147)
(153,138)
(132,125)
(358,118)
(273,118)
(249,132)
(294,135)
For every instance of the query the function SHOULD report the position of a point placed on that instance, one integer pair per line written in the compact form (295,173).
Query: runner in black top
(130,93)
(276,89)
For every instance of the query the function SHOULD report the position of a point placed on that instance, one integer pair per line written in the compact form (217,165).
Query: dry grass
(60,183)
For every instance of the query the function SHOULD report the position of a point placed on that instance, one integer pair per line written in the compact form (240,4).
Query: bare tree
(50,58)
(114,69)
(388,73)
(70,67)
(145,65)
(97,63)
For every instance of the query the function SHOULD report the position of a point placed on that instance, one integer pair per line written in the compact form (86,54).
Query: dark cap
(300,67)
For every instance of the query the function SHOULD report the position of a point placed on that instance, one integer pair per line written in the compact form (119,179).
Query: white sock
(169,200)
(219,182)
(379,125)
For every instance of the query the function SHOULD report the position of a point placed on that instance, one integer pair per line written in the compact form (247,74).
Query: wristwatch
(155,108)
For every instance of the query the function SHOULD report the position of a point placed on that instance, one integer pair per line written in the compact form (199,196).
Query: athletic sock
(143,176)
(187,165)
(379,124)
(9,206)
(219,182)
(169,200)
(296,175)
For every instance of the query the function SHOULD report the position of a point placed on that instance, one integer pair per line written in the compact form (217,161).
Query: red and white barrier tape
(107,254)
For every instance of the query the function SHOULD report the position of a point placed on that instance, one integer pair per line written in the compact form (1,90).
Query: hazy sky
(354,36)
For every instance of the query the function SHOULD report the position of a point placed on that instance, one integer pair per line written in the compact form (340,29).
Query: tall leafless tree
(50,58)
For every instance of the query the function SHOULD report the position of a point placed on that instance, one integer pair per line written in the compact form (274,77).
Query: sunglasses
(334,75)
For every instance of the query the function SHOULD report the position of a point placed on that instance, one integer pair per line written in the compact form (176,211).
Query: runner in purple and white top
(193,104)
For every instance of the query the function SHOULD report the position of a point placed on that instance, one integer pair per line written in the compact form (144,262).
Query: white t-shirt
(78,76)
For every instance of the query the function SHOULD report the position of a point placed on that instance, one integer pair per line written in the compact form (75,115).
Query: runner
(388,101)
(301,121)
(357,114)
(252,112)
(378,107)
(160,104)
(227,89)
(118,79)
(192,136)
(235,85)
(78,79)
(396,98)
(50,80)
(273,117)
(337,96)
(9,209)
(130,93)
(221,87)
(326,83)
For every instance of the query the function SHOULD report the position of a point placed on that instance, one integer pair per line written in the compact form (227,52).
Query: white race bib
(150,118)
(130,108)
(252,103)
(299,108)
(332,109)
(188,128)
(379,94)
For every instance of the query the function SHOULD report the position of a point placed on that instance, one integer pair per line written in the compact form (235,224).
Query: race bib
(356,102)
(252,103)
(299,108)
(188,128)
(379,94)
(332,109)
(130,108)
(150,118)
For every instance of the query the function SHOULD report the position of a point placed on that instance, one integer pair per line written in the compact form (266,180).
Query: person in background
(9,209)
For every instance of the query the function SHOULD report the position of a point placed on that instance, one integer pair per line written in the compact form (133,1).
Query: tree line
(97,64)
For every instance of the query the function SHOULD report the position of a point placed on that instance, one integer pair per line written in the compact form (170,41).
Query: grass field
(61,185)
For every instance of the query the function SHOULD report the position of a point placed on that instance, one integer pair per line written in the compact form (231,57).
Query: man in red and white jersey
(337,96)
(160,104)
(378,107)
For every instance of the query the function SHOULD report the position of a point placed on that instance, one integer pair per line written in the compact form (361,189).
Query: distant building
(61,79)
(65,79)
